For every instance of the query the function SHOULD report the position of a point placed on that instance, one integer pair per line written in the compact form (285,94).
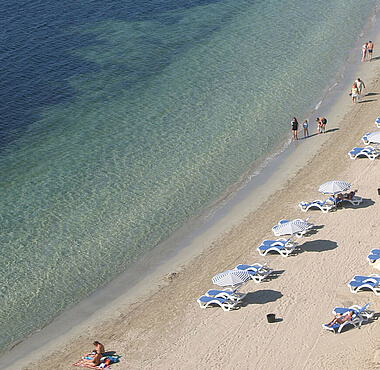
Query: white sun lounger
(257,271)
(281,245)
(225,303)
(359,282)
(360,314)
(369,151)
(355,200)
(325,206)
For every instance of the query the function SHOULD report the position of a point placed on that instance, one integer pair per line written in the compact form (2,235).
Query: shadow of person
(262,296)
(366,101)
(318,246)
(371,94)
(332,130)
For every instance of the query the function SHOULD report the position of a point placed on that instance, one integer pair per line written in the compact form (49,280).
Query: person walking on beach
(360,84)
(305,128)
(370,49)
(364,51)
(354,93)
(294,124)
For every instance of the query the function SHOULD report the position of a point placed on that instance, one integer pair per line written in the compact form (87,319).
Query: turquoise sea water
(121,120)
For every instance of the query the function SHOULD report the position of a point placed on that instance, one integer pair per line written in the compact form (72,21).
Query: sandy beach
(163,327)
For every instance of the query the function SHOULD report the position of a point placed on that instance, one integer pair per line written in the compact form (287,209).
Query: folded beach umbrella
(373,137)
(334,187)
(291,227)
(231,278)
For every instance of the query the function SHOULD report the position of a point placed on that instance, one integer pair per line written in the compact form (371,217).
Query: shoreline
(298,158)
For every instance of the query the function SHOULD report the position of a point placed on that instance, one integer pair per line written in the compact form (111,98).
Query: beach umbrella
(373,137)
(334,187)
(231,278)
(291,227)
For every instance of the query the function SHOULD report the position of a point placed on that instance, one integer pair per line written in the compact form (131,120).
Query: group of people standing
(321,122)
(356,90)
(367,48)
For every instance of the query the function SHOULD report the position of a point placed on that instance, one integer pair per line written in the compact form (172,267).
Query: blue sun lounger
(225,303)
(257,271)
(325,206)
(359,282)
(359,315)
(373,256)
(377,122)
(233,295)
(281,245)
(369,151)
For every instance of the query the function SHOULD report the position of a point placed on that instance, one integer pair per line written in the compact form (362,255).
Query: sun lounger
(360,282)
(281,245)
(373,256)
(325,206)
(257,271)
(369,151)
(225,303)
(377,122)
(355,200)
(233,295)
(360,314)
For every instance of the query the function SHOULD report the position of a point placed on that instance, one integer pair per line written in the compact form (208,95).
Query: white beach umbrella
(334,187)
(231,278)
(291,227)
(373,137)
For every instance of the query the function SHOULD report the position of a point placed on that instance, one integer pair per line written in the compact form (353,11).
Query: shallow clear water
(122,120)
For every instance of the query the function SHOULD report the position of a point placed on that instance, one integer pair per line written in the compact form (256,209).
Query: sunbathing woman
(94,362)
(349,195)
(340,319)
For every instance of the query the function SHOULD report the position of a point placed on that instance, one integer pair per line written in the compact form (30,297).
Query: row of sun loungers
(329,204)
(357,283)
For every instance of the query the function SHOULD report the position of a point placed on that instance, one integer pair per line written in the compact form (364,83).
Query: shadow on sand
(261,297)
(274,275)
(317,246)
(366,202)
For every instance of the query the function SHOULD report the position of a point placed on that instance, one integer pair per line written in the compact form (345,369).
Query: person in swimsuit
(294,124)
(364,51)
(321,121)
(99,350)
(370,50)
(354,93)
(94,362)
(340,319)
(305,128)
(349,195)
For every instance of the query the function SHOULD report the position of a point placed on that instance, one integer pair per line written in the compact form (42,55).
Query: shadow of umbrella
(318,246)
(262,296)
